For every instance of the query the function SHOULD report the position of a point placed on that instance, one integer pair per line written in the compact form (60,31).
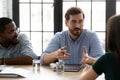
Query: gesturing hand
(87,59)
(84,55)
(62,53)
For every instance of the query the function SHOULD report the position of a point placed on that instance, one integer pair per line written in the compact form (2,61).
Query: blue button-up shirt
(75,48)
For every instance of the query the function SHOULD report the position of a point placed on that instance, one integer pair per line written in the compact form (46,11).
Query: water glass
(36,65)
(60,66)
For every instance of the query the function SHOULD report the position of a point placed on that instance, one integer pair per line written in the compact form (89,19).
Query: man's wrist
(3,61)
(55,55)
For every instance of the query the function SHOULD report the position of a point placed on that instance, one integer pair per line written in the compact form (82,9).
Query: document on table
(13,72)
(2,67)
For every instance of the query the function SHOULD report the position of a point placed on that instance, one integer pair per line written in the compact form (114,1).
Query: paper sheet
(14,72)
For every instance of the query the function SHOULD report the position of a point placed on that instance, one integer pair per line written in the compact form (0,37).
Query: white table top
(46,73)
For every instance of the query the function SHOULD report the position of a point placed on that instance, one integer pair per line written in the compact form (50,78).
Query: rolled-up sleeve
(26,47)
(52,46)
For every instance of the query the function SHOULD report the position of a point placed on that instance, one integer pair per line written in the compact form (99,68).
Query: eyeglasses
(14,31)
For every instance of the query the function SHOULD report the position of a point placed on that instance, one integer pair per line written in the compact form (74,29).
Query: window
(117,6)
(94,11)
(36,20)
(6,8)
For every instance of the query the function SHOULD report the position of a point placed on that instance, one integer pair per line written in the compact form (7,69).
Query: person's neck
(74,37)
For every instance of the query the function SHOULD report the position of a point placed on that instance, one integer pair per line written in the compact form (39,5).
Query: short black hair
(3,22)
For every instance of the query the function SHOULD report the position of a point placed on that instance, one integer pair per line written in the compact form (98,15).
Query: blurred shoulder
(62,33)
(22,36)
(89,32)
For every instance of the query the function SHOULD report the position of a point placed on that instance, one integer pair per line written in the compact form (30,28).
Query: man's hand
(62,53)
(87,59)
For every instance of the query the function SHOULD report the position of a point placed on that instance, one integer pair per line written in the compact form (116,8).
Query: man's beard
(75,33)
(13,42)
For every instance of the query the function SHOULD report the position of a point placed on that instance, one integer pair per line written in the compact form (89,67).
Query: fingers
(62,53)
(85,50)
(65,56)
(84,55)
(63,50)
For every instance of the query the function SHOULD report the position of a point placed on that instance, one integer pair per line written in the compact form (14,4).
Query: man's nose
(16,33)
(77,23)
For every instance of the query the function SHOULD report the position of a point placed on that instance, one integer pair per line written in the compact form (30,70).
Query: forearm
(49,58)
(59,54)
(21,60)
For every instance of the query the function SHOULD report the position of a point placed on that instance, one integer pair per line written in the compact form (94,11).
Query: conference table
(47,73)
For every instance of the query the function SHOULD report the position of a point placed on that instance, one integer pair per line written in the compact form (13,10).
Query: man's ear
(66,22)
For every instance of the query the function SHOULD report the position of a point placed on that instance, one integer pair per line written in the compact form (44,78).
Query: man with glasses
(15,48)
(69,45)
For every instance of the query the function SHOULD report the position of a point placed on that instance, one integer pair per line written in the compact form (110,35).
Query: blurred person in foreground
(109,63)
(68,45)
(15,48)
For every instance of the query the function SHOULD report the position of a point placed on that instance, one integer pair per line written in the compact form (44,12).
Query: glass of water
(36,65)
(60,66)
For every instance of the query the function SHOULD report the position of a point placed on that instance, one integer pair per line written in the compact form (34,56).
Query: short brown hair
(73,11)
